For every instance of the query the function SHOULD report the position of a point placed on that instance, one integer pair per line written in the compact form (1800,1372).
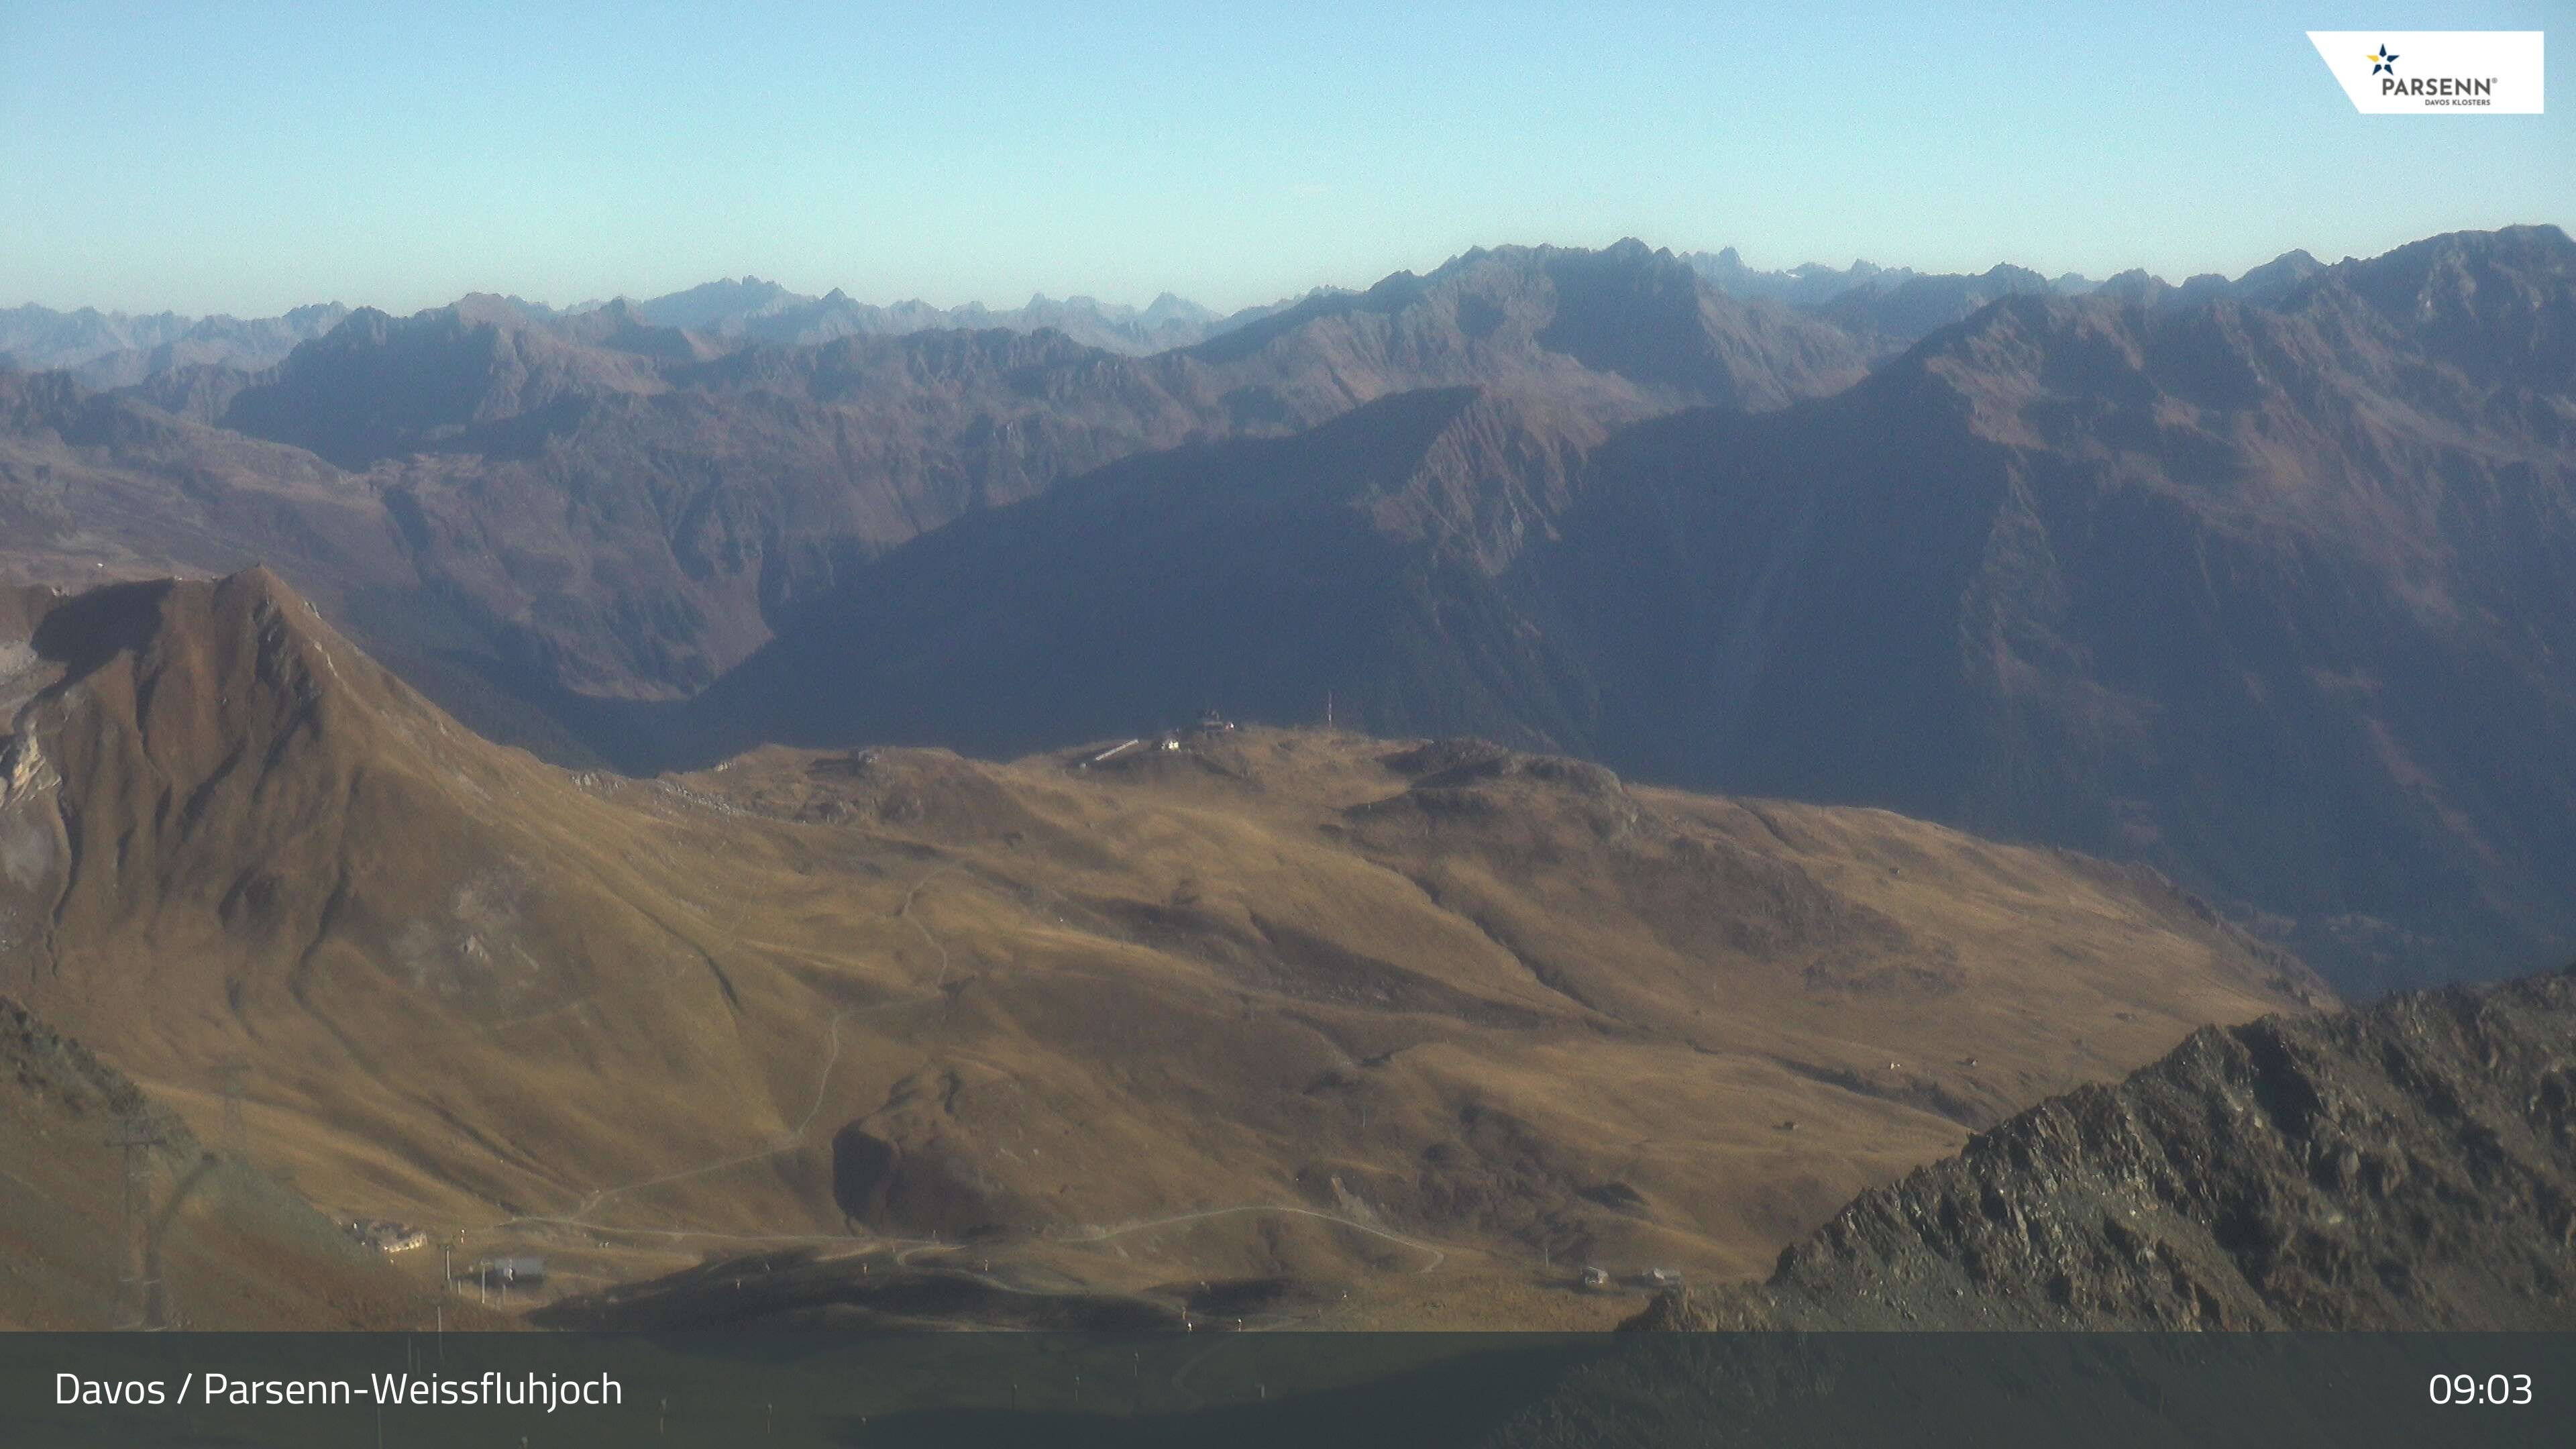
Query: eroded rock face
(29,847)
(863,1169)
(932,1190)
(31,841)
(2411,1166)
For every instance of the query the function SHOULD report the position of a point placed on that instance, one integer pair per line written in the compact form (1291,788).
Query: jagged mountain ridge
(1627,331)
(753,309)
(96,486)
(114,349)
(2243,590)
(1809,285)
(2238,589)
(1898,313)
(2400,1167)
(606,506)
(513,380)
(117,349)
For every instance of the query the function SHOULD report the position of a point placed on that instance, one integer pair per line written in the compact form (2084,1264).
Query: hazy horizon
(1140,303)
(266,156)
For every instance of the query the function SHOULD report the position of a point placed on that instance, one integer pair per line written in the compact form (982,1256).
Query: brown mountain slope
(1266,1003)
(223,1246)
(1357,558)
(97,488)
(94,488)
(2408,1166)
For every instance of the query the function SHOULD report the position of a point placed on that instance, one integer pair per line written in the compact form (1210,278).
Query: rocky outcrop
(2408,1166)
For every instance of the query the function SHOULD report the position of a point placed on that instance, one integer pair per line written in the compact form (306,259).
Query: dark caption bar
(1349,1391)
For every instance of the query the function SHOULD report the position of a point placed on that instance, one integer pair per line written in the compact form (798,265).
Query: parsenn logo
(2448,72)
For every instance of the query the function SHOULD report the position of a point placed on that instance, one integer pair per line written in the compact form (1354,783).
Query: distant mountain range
(2263,581)
(668,501)
(765,311)
(118,349)
(1815,284)
(114,349)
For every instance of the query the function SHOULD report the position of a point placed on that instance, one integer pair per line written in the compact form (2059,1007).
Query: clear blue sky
(245,157)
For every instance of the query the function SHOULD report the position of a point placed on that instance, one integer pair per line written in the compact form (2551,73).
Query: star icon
(2383,59)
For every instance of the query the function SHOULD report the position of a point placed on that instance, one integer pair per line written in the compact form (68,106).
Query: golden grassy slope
(220,1244)
(1408,1018)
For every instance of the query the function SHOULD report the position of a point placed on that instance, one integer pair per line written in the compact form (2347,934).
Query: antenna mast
(136,1135)
(230,1073)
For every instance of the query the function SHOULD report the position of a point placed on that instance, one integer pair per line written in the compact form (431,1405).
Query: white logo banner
(2435,72)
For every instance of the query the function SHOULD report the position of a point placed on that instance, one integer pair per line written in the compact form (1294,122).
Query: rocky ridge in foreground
(2407,1166)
